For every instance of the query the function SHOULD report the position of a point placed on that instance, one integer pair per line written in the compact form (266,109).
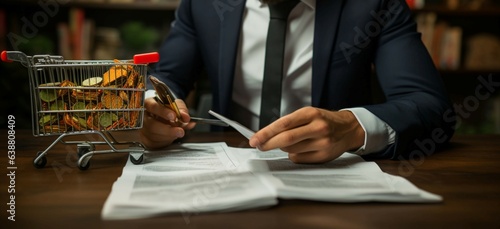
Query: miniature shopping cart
(88,97)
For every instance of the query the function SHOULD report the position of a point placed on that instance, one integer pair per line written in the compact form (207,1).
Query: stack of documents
(210,177)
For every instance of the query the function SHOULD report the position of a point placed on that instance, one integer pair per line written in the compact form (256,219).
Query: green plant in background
(38,45)
(138,37)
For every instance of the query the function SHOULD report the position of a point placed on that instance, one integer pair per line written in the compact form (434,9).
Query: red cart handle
(144,58)
(4,57)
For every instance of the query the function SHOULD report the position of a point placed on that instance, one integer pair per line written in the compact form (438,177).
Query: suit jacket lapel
(228,46)
(325,31)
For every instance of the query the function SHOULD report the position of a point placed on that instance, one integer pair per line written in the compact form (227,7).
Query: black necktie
(273,67)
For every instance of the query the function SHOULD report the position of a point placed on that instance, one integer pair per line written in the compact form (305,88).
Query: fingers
(289,130)
(307,145)
(157,133)
(291,137)
(159,111)
(157,130)
(160,124)
(185,117)
(182,106)
(318,150)
(311,135)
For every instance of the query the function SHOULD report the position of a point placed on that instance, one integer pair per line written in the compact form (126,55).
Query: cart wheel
(83,148)
(84,161)
(84,166)
(40,163)
(138,160)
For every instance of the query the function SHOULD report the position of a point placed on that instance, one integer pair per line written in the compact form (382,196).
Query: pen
(166,97)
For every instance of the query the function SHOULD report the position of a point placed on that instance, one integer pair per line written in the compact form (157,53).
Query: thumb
(185,117)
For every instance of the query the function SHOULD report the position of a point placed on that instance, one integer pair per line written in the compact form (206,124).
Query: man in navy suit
(332,48)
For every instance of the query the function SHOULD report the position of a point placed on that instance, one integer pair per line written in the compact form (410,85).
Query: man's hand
(160,125)
(312,135)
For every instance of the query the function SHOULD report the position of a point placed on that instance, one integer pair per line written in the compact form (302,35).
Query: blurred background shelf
(106,4)
(445,11)
(463,38)
(120,28)
(75,29)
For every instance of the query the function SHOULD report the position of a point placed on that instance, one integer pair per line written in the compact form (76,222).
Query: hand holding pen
(166,119)
(166,97)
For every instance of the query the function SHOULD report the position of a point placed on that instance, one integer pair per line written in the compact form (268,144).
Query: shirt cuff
(378,134)
(150,93)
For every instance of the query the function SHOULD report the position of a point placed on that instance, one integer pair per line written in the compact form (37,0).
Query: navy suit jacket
(351,39)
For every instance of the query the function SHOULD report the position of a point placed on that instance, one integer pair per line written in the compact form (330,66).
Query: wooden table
(467,175)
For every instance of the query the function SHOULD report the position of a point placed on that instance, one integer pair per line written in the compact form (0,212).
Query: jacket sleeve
(180,63)
(417,105)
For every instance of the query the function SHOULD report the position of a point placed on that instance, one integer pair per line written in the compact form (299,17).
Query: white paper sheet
(208,177)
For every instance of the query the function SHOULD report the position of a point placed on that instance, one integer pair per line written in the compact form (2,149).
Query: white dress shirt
(296,91)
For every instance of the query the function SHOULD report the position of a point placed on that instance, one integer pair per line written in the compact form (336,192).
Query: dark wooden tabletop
(466,175)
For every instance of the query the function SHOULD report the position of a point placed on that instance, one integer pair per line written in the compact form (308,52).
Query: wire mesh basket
(73,97)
